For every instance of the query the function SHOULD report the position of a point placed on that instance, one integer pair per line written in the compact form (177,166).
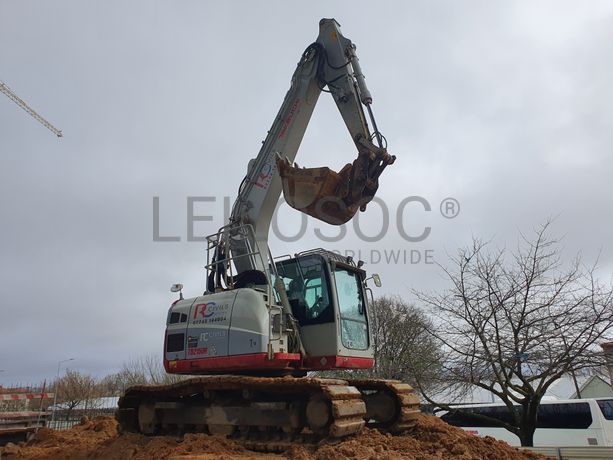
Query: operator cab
(327,296)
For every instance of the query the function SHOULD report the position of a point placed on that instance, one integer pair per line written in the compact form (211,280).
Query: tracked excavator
(263,323)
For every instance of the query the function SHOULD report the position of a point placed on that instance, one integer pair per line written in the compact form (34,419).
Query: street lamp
(59,364)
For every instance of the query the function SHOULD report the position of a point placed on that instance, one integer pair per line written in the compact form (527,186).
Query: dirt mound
(98,439)
(431,439)
(76,443)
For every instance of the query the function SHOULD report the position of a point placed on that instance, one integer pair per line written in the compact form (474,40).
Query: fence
(23,403)
(64,419)
(575,453)
(21,412)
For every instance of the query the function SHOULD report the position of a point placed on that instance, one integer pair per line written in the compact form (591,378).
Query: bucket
(321,192)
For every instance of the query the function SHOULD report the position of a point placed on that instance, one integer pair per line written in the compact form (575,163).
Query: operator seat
(295,295)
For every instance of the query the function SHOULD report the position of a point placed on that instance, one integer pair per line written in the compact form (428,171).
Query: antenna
(21,103)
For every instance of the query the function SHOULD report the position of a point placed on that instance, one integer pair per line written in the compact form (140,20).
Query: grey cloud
(504,106)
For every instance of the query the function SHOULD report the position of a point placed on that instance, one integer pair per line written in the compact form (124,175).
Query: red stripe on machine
(338,362)
(23,396)
(233,363)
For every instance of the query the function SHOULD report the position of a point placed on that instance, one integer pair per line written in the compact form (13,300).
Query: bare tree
(111,385)
(144,370)
(403,348)
(515,323)
(75,388)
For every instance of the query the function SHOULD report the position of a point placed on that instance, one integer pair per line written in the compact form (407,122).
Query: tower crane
(21,103)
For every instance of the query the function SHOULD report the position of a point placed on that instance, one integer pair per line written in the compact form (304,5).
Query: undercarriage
(269,413)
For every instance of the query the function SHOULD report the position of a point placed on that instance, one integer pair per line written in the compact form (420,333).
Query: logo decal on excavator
(290,117)
(201,309)
(197,351)
(264,176)
(205,336)
(210,312)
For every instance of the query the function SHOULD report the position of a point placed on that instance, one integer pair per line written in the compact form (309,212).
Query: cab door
(351,309)
(311,297)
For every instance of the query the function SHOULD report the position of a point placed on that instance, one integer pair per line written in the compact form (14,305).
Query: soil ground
(98,439)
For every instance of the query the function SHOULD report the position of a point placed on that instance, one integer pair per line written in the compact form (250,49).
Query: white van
(572,422)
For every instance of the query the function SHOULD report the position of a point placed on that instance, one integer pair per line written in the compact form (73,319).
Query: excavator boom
(330,64)
(335,197)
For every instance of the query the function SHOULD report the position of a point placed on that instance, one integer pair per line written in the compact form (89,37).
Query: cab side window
(175,317)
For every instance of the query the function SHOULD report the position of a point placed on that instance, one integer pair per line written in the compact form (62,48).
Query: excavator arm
(329,64)
(333,197)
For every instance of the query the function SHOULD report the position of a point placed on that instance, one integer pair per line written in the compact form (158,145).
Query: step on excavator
(263,323)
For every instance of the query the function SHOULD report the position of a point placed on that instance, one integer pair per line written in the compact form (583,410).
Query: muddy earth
(98,439)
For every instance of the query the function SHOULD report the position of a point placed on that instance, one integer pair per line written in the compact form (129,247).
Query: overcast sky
(504,106)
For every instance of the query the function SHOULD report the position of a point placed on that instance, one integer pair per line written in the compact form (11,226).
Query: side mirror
(376,279)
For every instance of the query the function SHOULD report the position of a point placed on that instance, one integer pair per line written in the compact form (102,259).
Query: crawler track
(269,413)
(391,405)
(255,409)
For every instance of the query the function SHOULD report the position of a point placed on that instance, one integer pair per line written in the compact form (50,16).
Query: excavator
(256,338)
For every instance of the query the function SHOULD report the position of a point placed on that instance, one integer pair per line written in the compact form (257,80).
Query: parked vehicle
(572,422)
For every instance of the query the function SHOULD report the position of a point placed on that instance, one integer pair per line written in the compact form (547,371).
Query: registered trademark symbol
(450,208)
